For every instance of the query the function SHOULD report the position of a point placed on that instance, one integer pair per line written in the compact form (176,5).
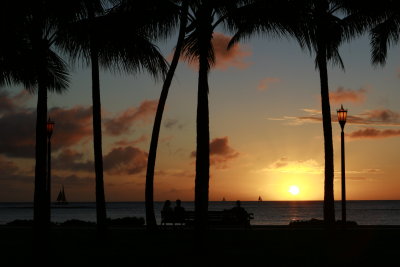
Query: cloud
(265,83)
(224,58)
(378,117)
(72,160)
(10,104)
(285,165)
(73,180)
(17,137)
(11,173)
(71,126)
(220,152)
(121,123)
(373,133)
(125,160)
(234,57)
(143,138)
(175,173)
(120,160)
(172,123)
(342,95)
(382,115)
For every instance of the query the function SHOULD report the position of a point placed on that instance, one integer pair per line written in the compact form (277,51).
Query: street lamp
(50,128)
(342,116)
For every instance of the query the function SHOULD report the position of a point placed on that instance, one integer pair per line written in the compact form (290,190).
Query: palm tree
(204,17)
(324,26)
(387,31)
(318,25)
(149,191)
(103,39)
(39,67)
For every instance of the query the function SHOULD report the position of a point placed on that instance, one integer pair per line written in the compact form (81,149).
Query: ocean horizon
(364,212)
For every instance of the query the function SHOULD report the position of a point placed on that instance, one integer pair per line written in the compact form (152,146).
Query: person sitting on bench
(179,212)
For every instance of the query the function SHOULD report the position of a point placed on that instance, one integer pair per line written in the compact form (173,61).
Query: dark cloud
(72,180)
(12,103)
(125,160)
(172,123)
(141,139)
(220,152)
(373,133)
(121,123)
(72,126)
(17,137)
(11,173)
(378,117)
(381,115)
(72,160)
(342,95)
(120,160)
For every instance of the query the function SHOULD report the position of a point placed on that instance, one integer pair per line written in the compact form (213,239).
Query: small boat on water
(61,199)
(259,199)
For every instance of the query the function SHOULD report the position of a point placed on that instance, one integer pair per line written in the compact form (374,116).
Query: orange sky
(265,126)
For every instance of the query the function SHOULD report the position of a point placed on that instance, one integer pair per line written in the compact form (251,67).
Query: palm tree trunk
(97,139)
(41,207)
(329,202)
(151,161)
(203,141)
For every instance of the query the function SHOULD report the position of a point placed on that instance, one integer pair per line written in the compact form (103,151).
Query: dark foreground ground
(258,246)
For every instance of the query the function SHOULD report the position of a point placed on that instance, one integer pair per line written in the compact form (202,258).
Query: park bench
(215,218)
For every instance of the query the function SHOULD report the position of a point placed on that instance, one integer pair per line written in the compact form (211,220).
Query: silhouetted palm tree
(323,26)
(38,24)
(119,41)
(149,191)
(204,17)
(387,31)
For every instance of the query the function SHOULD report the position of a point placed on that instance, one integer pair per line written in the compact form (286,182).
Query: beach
(256,246)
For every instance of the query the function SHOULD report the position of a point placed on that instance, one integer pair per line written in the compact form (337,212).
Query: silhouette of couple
(177,214)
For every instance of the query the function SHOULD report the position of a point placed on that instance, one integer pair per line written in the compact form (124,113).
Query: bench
(218,218)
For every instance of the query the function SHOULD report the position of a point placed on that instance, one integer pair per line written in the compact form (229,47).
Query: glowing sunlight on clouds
(284,165)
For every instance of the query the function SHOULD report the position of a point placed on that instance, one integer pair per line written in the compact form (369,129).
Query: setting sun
(294,190)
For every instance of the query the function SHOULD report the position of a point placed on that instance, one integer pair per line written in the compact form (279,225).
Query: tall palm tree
(204,17)
(38,24)
(105,39)
(320,26)
(324,26)
(149,191)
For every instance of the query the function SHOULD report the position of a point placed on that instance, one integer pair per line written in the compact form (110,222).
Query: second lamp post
(342,116)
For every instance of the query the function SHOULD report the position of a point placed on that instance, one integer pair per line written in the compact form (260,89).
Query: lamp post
(50,128)
(342,116)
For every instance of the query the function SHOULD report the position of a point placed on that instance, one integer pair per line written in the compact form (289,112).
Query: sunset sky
(265,127)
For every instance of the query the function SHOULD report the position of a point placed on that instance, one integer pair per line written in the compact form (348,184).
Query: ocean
(383,212)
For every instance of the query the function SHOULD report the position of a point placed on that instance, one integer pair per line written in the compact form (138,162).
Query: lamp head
(50,127)
(342,116)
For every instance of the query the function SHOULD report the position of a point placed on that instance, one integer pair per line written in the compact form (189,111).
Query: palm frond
(383,36)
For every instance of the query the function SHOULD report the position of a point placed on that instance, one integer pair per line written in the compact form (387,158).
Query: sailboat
(259,199)
(61,200)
